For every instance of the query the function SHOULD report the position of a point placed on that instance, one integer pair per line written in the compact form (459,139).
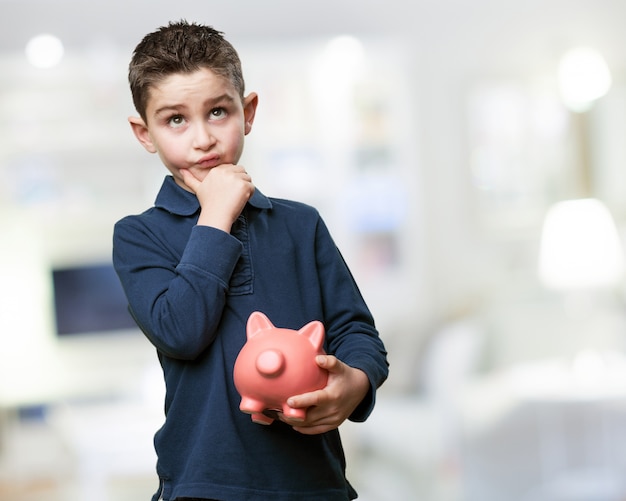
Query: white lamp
(584,77)
(580,247)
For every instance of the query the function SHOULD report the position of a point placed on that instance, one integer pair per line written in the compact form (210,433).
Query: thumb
(328,362)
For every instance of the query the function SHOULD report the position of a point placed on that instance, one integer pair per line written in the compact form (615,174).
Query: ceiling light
(44,51)
(584,77)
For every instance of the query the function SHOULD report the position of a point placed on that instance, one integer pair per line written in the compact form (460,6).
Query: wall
(70,166)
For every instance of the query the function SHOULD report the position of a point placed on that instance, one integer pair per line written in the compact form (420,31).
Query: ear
(257,322)
(140,129)
(249,110)
(315,332)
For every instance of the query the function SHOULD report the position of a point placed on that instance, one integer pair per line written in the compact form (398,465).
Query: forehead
(180,87)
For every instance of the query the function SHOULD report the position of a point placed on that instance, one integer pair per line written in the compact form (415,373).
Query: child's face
(195,121)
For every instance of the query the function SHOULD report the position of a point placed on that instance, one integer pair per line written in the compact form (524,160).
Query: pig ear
(315,332)
(257,322)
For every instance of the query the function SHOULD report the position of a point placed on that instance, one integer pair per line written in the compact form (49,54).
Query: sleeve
(351,334)
(178,305)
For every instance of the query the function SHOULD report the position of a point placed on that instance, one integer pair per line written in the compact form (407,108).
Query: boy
(211,251)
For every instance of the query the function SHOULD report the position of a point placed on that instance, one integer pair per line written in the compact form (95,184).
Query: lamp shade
(584,77)
(580,247)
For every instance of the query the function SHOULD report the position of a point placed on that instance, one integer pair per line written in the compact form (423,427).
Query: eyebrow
(214,101)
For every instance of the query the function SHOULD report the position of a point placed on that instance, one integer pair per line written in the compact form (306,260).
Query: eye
(176,121)
(217,114)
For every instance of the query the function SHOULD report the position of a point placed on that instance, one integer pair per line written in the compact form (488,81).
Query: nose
(203,138)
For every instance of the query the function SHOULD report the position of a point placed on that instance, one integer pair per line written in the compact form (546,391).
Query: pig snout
(270,363)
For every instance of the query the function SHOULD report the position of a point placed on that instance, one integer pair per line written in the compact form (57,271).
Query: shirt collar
(176,200)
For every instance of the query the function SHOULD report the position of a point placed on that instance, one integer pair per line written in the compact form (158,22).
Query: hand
(222,194)
(329,407)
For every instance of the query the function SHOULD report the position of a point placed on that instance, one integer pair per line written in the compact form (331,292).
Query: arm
(357,360)
(178,301)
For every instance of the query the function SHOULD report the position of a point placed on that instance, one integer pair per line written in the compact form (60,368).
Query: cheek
(170,150)
(236,141)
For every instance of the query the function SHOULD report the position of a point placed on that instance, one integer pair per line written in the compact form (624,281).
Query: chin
(199,175)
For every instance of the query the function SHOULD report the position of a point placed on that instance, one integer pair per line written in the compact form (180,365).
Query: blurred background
(470,161)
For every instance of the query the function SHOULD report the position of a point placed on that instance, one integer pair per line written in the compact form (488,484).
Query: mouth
(208,161)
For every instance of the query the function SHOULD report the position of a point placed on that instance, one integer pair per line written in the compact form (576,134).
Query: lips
(208,161)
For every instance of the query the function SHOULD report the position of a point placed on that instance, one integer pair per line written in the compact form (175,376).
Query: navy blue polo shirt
(191,289)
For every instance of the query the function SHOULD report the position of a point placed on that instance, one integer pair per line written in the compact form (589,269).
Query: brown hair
(181,47)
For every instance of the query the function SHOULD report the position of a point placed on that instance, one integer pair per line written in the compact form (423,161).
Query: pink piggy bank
(276,364)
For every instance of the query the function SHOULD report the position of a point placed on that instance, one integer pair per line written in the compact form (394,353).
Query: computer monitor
(89,299)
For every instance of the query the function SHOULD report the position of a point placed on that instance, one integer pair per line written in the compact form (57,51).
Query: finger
(189,179)
(311,420)
(330,363)
(306,399)
(316,429)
